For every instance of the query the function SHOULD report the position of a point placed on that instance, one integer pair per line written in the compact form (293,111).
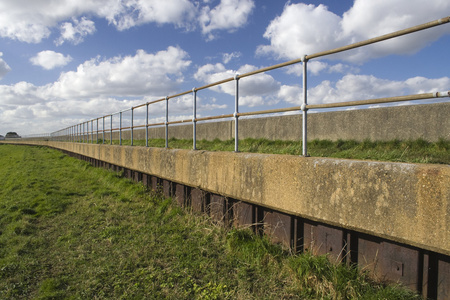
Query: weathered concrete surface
(406,203)
(429,122)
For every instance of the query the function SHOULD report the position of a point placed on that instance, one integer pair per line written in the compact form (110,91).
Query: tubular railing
(84,132)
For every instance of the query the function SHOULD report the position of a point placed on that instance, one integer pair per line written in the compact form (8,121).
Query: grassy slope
(68,230)
(417,151)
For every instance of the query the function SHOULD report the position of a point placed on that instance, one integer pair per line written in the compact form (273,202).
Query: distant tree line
(12,134)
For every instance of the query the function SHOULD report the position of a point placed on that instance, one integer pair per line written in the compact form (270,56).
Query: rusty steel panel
(198,200)
(145,179)
(218,208)
(167,188)
(137,176)
(244,215)
(155,183)
(278,227)
(181,195)
(129,173)
(443,282)
(321,240)
(390,261)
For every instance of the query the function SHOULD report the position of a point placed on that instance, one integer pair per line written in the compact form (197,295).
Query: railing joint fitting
(304,107)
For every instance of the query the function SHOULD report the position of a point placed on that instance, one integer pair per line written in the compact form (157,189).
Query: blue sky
(67,61)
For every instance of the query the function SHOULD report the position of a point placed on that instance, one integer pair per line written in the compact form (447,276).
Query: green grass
(413,151)
(71,231)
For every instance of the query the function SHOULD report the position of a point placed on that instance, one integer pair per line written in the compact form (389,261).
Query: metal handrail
(78,132)
(382,100)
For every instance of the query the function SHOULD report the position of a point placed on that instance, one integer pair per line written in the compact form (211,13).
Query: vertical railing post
(83,132)
(236,116)
(304,108)
(167,122)
(146,126)
(120,128)
(111,131)
(194,119)
(132,125)
(97,132)
(103,131)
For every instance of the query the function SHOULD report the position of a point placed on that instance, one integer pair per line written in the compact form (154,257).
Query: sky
(63,62)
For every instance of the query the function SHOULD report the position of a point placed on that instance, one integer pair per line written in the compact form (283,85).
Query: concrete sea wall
(390,218)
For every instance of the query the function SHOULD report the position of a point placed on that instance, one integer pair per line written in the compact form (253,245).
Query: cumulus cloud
(306,29)
(21,93)
(129,76)
(228,15)
(130,13)
(316,67)
(253,90)
(360,87)
(4,68)
(34,21)
(50,59)
(75,32)
(98,86)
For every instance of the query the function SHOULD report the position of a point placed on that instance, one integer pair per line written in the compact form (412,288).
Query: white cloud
(4,68)
(253,90)
(361,87)
(316,67)
(34,21)
(129,76)
(210,73)
(227,57)
(50,59)
(313,67)
(21,93)
(131,13)
(88,92)
(75,34)
(228,15)
(290,94)
(306,29)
